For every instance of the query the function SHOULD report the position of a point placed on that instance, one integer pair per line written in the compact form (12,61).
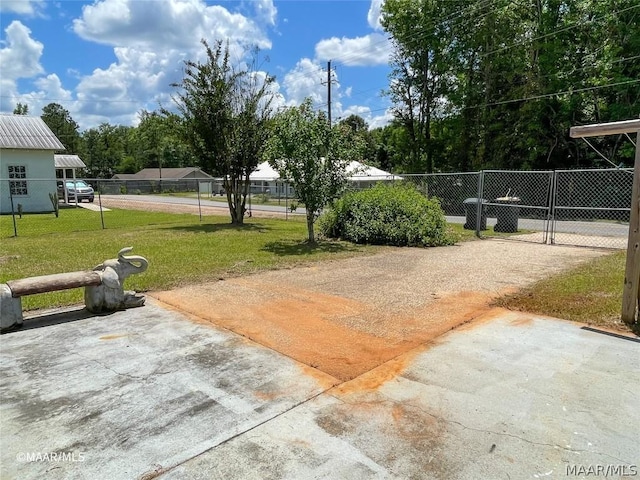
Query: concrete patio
(151,393)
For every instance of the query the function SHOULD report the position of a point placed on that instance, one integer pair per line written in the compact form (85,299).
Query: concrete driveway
(152,393)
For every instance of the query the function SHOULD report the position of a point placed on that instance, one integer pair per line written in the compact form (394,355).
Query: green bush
(262,198)
(387,215)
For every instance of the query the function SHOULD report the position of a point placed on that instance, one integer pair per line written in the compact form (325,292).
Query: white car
(76,189)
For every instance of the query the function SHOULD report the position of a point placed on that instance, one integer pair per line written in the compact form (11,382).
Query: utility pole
(329,82)
(329,90)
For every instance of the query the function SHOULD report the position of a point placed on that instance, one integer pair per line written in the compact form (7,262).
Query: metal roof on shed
(68,161)
(25,132)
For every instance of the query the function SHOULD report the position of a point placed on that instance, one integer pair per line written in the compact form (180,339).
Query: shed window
(18,186)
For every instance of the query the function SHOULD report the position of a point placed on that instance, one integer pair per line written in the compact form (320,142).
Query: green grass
(590,293)
(256,198)
(180,249)
(183,251)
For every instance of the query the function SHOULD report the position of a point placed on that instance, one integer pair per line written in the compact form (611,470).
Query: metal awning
(68,161)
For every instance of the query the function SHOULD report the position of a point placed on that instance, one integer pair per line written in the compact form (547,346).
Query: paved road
(599,229)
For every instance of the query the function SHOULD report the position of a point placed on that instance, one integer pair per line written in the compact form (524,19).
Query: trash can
(507,212)
(471,212)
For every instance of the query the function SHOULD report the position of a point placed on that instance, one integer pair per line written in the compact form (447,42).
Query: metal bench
(104,290)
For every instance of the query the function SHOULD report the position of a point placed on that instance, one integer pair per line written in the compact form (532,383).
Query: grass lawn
(180,250)
(590,293)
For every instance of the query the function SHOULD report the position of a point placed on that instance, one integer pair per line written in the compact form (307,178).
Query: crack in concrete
(391,401)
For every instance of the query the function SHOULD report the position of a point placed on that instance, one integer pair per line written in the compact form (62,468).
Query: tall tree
(421,66)
(63,126)
(21,109)
(225,111)
(497,84)
(313,156)
(106,147)
(358,130)
(158,143)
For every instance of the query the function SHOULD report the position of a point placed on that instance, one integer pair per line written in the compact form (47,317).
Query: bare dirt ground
(347,317)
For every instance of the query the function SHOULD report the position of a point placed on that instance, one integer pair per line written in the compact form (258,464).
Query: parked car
(76,189)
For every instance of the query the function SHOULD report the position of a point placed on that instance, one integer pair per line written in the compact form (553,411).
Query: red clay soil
(341,337)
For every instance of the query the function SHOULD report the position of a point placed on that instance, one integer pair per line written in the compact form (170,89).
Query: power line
(452,16)
(555,32)
(548,95)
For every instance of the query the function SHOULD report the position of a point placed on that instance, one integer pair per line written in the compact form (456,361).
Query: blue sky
(106,60)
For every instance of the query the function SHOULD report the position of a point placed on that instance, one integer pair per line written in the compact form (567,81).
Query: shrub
(387,215)
(262,198)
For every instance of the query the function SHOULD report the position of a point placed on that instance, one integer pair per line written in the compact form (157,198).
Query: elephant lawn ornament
(110,294)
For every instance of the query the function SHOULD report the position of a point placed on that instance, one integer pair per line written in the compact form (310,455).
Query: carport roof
(68,161)
(25,132)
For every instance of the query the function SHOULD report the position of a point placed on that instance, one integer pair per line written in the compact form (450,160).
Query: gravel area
(346,317)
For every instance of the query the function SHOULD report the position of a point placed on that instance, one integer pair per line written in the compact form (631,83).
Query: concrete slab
(129,394)
(517,397)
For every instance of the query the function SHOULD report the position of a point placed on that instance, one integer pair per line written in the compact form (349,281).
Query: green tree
(421,70)
(358,129)
(313,156)
(105,148)
(159,144)
(497,84)
(63,126)
(21,109)
(225,111)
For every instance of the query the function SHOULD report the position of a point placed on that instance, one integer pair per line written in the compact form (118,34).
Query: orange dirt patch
(115,336)
(338,336)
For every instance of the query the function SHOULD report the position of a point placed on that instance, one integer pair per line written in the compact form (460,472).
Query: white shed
(27,166)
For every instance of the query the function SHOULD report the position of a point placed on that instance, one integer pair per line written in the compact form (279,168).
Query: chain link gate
(592,207)
(517,202)
(571,207)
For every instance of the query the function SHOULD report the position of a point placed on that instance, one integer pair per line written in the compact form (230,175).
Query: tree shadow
(48,319)
(218,227)
(292,247)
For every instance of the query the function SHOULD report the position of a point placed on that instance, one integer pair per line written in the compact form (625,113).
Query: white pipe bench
(104,290)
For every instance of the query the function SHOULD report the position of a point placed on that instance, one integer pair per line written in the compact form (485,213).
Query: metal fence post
(199,206)
(551,196)
(13,213)
(100,203)
(480,203)
(551,227)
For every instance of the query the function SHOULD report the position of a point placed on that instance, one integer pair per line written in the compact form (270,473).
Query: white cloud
(305,80)
(374,15)
(374,121)
(20,58)
(379,121)
(265,11)
(151,41)
(369,50)
(22,7)
(51,87)
(167,24)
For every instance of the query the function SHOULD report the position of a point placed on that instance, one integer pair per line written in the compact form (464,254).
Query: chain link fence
(33,207)
(518,202)
(591,207)
(573,207)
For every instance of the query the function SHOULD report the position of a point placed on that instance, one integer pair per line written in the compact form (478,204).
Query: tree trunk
(312,238)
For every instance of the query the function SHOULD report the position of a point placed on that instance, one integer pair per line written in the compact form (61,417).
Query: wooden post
(631,293)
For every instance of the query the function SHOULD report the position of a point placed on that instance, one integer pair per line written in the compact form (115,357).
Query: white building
(27,166)
(266,179)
